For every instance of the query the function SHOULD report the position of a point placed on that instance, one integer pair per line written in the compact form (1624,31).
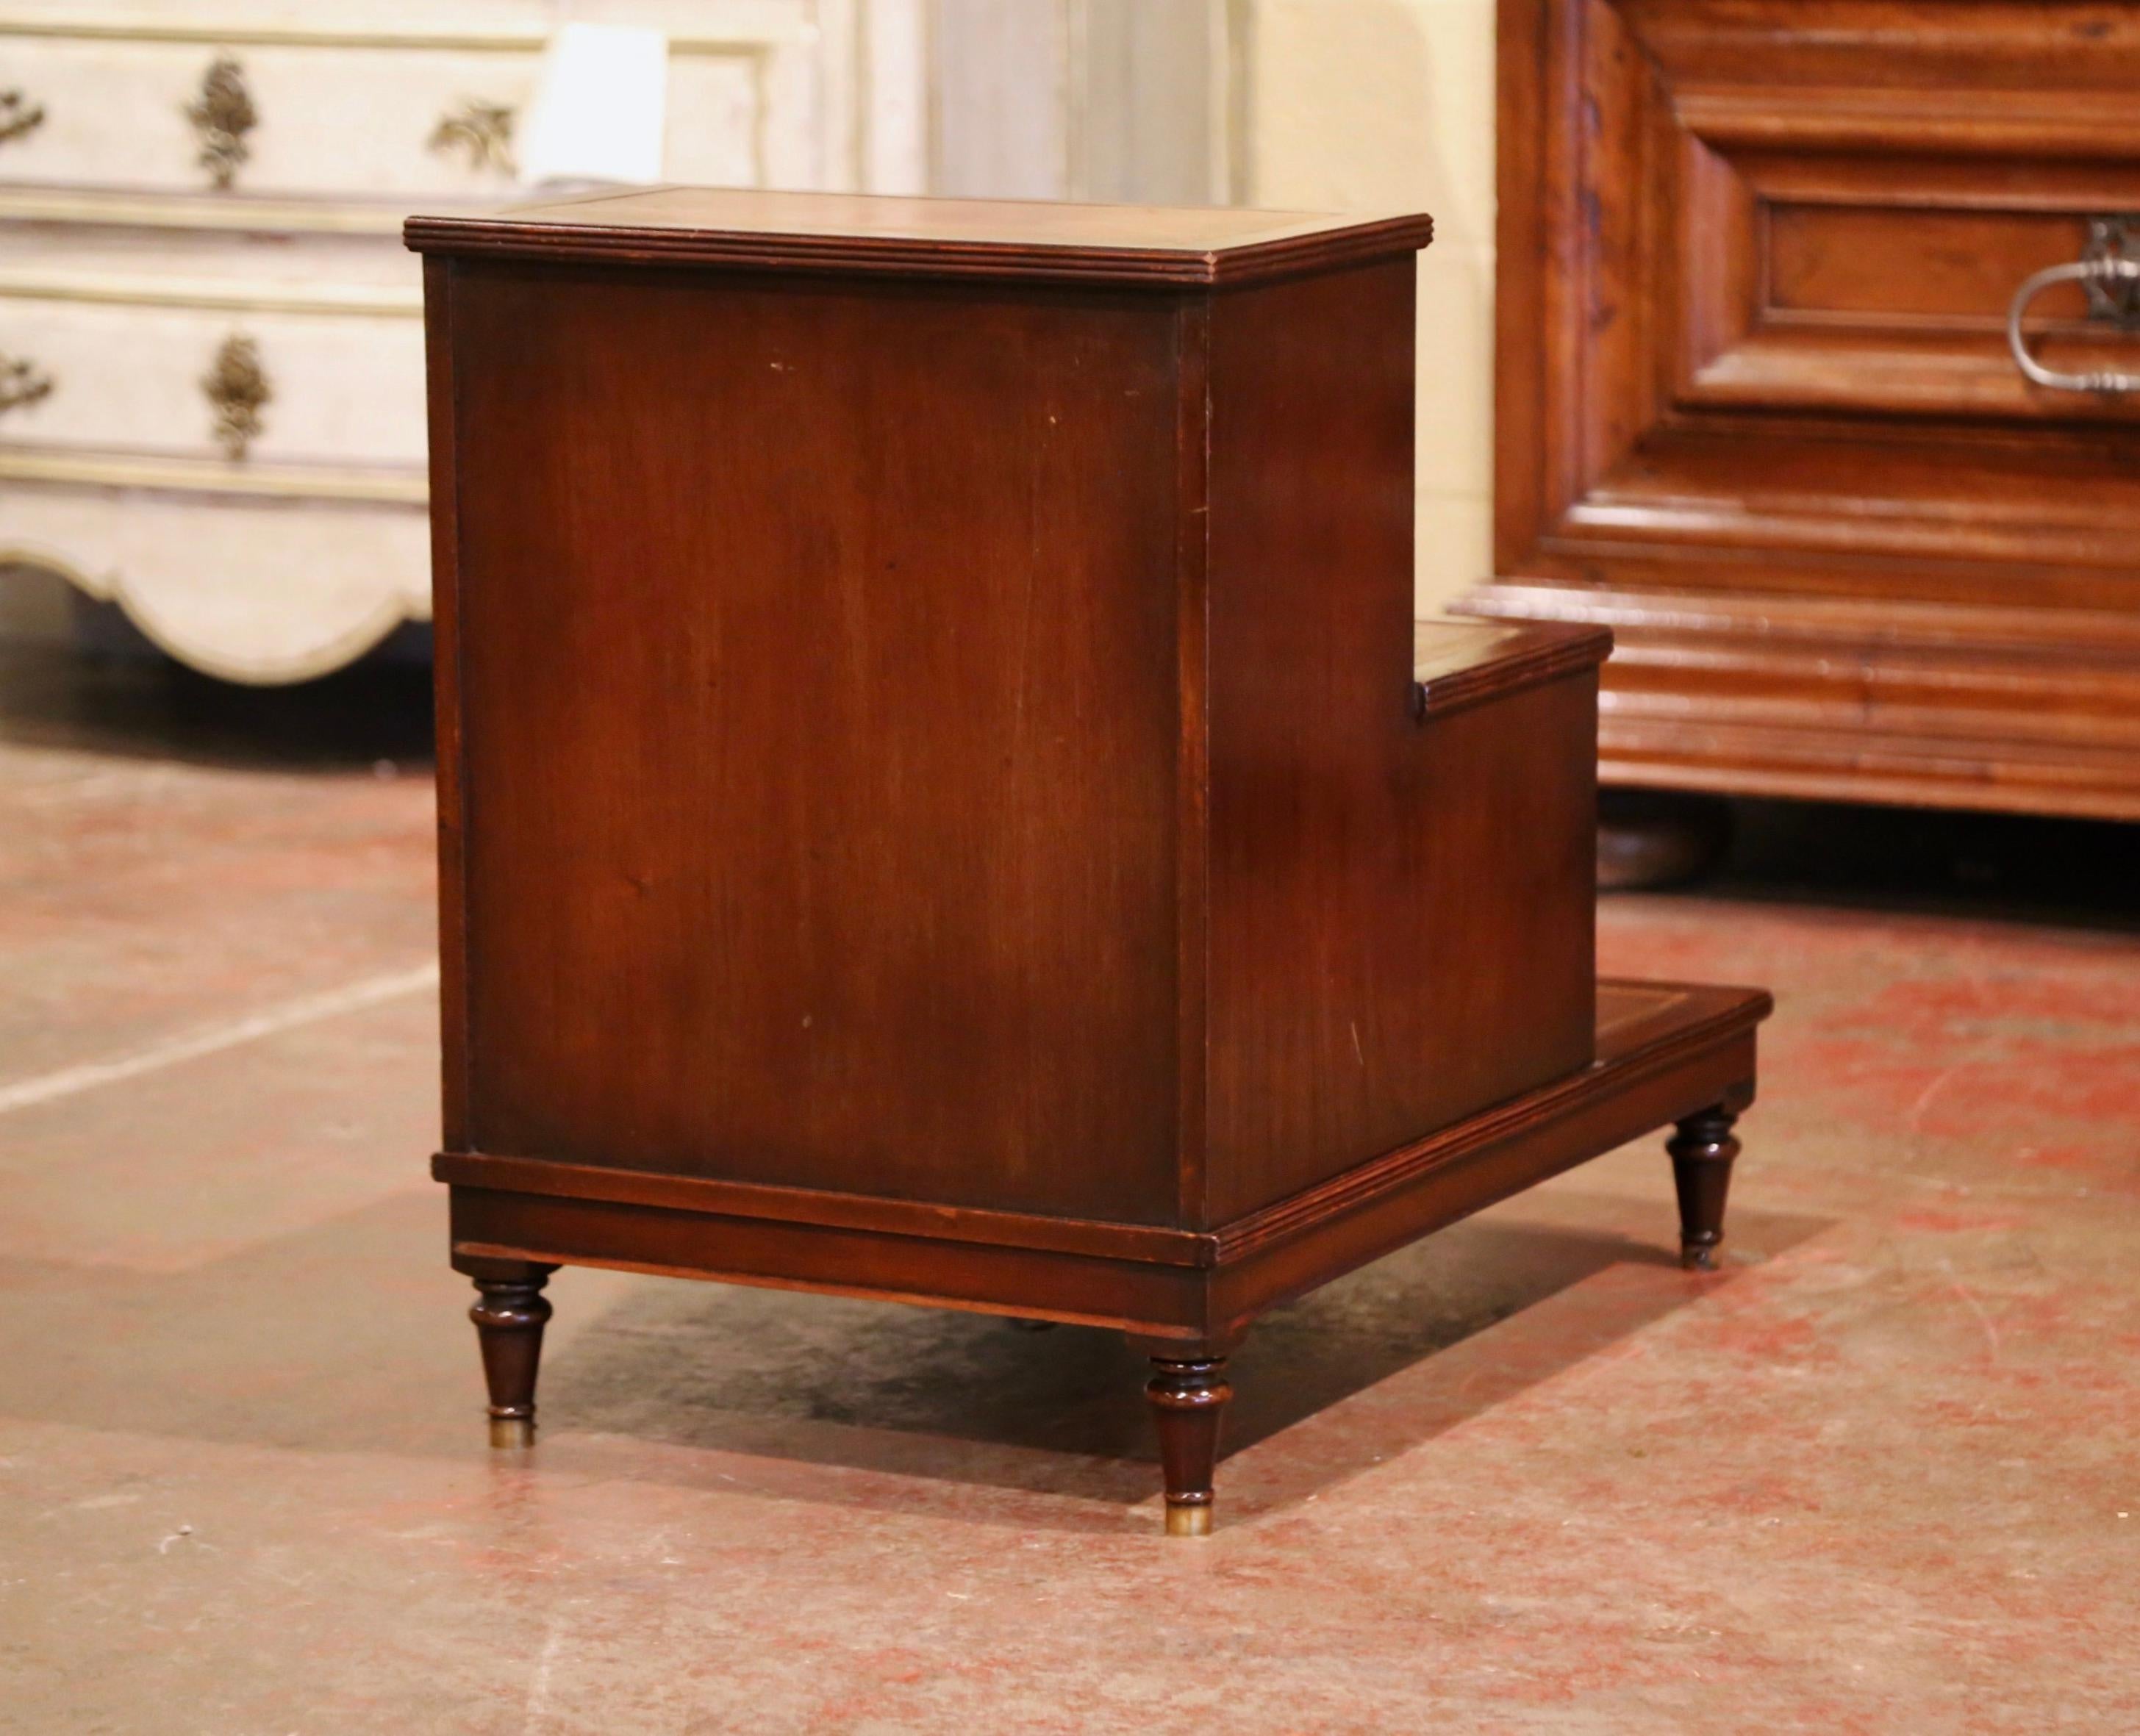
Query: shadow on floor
(2008,867)
(347,1338)
(142,705)
(882,1389)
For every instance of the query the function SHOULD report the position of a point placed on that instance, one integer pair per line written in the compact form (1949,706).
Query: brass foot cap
(510,1432)
(1698,1256)
(1189,1521)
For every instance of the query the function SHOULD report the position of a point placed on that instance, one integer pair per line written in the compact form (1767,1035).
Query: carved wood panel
(1756,405)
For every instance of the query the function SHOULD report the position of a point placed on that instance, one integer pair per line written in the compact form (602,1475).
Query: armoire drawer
(1877,281)
(342,116)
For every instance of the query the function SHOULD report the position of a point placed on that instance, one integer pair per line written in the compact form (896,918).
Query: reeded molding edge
(1540,654)
(2087,635)
(1155,268)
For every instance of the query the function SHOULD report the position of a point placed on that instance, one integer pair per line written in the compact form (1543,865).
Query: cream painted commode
(211,340)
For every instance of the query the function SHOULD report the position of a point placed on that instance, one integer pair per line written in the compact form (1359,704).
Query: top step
(1149,245)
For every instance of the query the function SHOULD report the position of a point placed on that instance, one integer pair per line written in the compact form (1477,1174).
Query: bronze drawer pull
(21,383)
(221,114)
(2111,270)
(236,388)
(482,131)
(19,117)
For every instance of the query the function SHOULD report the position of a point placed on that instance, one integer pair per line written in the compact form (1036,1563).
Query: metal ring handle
(2086,271)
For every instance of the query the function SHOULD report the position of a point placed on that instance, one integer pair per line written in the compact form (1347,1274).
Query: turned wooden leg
(1188,1401)
(509,1315)
(1701,1153)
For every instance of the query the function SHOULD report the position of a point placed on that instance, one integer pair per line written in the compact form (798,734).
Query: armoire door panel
(1757,258)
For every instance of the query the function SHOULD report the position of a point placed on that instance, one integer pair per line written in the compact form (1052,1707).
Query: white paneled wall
(1365,104)
(1103,100)
(1313,105)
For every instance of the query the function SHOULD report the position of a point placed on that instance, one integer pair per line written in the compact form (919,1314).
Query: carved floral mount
(237,389)
(23,382)
(19,116)
(221,114)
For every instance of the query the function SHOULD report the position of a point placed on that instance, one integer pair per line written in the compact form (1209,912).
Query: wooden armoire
(1759,412)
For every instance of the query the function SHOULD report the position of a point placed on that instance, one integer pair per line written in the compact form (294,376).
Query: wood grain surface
(1756,412)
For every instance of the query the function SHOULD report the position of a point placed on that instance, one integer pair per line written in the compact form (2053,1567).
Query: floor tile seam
(353,997)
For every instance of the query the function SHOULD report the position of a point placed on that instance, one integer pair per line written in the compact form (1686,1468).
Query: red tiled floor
(1878,1476)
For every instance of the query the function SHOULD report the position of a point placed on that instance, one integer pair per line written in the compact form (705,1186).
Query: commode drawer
(424,115)
(210,347)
